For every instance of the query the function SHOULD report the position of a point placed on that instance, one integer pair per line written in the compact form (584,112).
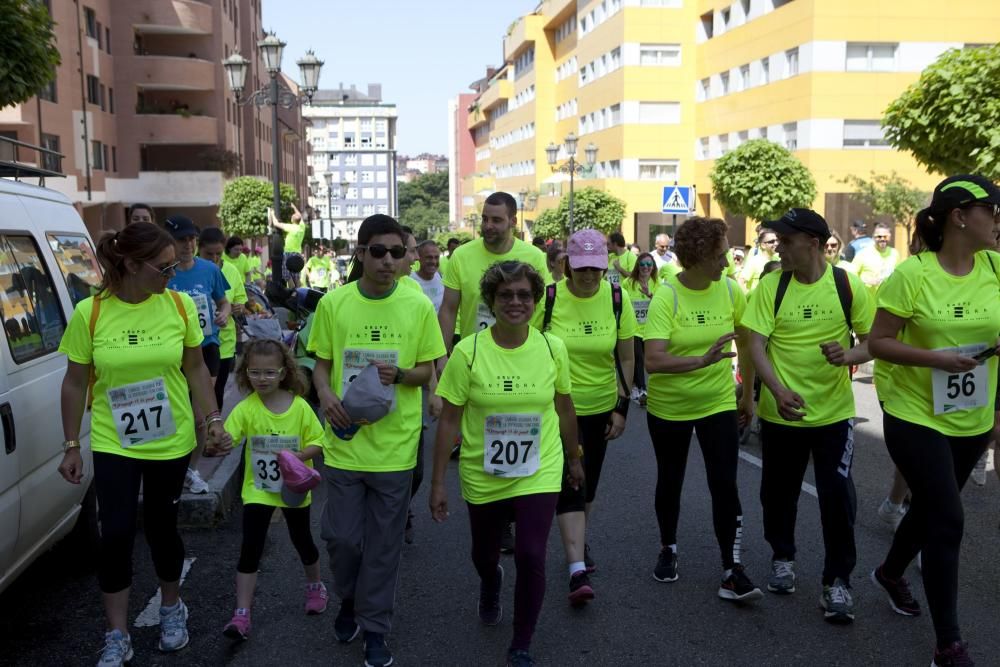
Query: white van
(47,265)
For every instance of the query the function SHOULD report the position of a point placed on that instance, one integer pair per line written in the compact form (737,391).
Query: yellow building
(663,87)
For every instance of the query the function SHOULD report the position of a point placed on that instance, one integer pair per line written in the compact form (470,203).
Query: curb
(206,510)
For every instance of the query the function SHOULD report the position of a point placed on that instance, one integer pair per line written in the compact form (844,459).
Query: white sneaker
(117,650)
(978,475)
(891,513)
(635,393)
(194,482)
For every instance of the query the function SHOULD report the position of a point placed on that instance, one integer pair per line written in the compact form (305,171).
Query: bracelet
(213,419)
(70,444)
(214,413)
(621,407)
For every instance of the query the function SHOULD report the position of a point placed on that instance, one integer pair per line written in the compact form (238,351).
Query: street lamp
(523,196)
(274,95)
(571,167)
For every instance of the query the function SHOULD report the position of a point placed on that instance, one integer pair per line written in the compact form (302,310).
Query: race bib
(356,361)
(613,276)
(961,391)
(641,309)
(511,444)
(141,412)
(319,273)
(204,313)
(264,459)
(484,318)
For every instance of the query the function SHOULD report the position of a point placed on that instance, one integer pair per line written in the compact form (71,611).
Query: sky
(423,52)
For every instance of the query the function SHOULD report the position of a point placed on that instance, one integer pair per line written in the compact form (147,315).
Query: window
(367,160)
(33,320)
(704,90)
(724,79)
(114,159)
(742,137)
(659,170)
(107,40)
(659,113)
(765,73)
(100,36)
(49,92)
(703,150)
(381,193)
(368,209)
(352,210)
(791,62)
(103,95)
(111,100)
(863,134)
(51,162)
(723,143)
(524,63)
(743,80)
(707,22)
(78,264)
(871,57)
(791,136)
(93,89)
(368,177)
(368,193)
(763,132)
(660,55)
(351,160)
(382,208)
(90,20)
(97,155)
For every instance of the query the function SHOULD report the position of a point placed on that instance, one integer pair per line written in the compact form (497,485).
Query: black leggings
(591,430)
(935,467)
(118,479)
(418,471)
(256,521)
(225,368)
(639,376)
(719,438)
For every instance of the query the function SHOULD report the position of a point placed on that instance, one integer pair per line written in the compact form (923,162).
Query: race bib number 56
(511,445)
(141,412)
(961,391)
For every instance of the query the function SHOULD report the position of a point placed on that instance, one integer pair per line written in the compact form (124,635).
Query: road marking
(150,616)
(753,460)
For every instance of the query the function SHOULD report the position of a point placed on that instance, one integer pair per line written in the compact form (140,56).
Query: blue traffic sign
(677,199)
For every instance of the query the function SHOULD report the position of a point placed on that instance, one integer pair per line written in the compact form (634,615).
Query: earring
(962,226)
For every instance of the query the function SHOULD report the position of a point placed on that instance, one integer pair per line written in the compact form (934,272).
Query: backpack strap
(845,294)
(616,304)
(95,312)
(783,282)
(180,307)
(550,302)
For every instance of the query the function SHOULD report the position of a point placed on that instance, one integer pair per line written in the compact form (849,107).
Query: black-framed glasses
(994,208)
(378,251)
(166,271)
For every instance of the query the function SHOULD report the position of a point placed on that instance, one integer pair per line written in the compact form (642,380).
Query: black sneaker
(666,566)
(588,561)
(580,590)
(345,627)
(899,593)
(507,539)
(519,658)
(490,609)
(377,653)
(738,587)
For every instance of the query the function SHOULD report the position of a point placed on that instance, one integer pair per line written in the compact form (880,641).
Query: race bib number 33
(264,459)
(961,391)
(511,444)
(141,412)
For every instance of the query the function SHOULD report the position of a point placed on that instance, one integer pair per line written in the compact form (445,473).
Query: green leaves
(592,209)
(761,180)
(423,204)
(948,120)
(245,200)
(891,195)
(28,55)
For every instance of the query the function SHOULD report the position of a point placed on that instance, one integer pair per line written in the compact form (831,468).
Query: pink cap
(587,249)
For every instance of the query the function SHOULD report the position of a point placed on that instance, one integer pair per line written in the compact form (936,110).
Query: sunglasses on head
(378,251)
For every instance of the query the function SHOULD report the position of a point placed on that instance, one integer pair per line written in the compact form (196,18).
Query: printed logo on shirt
(508,385)
(813,312)
(373,333)
(127,338)
(700,318)
(961,310)
(591,328)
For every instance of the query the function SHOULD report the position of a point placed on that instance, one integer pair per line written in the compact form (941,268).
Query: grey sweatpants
(362,525)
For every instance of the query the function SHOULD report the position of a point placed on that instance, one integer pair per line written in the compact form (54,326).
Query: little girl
(273,417)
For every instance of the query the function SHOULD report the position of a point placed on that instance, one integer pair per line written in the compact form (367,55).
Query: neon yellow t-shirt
(809,315)
(626,260)
(401,329)
(944,311)
(846,266)
(874,267)
(319,271)
(753,267)
(137,351)
(701,318)
(407,281)
(294,239)
(297,427)
(587,327)
(443,265)
(731,269)
(640,303)
(500,382)
(241,264)
(237,293)
(466,268)
(667,270)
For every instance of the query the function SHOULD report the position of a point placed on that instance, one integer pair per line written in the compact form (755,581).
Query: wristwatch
(400,374)
(70,444)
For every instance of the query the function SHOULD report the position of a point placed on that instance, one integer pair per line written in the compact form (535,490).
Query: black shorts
(212,359)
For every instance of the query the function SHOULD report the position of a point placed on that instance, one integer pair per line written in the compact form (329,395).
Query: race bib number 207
(511,444)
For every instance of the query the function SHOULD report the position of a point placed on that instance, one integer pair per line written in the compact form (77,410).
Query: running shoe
(899,593)
(194,483)
(377,653)
(588,561)
(239,627)
(643,397)
(782,579)
(316,598)
(978,475)
(891,513)
(580,590)
(956,655)
(635,394)
(173,627)
(519,658)
(490,609)
(117,649)
(837,603)
(666,566)
(345,628)
(507,538)
(738,587)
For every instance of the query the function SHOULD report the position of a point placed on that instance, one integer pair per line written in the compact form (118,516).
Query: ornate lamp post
(571,167)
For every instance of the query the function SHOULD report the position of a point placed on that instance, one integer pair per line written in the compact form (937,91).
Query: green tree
(423,203)
(890,195)
(949,120)
(592,209)
(442,238)
(28,54)
(761,180)
(245,200)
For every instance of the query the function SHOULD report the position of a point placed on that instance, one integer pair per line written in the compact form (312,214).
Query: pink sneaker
(316,598)
(239,627)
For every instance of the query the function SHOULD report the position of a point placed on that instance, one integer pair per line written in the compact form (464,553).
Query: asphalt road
(53,616)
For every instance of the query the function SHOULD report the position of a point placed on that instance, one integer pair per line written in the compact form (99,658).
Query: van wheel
(85,537)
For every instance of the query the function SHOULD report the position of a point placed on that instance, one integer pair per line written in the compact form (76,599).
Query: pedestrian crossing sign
(677,199)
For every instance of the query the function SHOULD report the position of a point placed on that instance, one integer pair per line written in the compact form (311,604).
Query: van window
(33,320)
(78,264)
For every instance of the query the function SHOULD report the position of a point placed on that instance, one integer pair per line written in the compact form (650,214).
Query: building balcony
(175,73)
(524,31)
(176,129)
(173,17)
(555,11)
(170,188)
(499,90)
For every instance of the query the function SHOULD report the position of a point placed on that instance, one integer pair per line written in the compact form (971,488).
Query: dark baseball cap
(181,227)
(801,221)
(963,189)
(860,225)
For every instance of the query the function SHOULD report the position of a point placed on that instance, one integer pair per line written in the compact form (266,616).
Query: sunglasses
(378,251)
(994,208)
(166,271)
(833,246)
(647,264)
(523,295)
